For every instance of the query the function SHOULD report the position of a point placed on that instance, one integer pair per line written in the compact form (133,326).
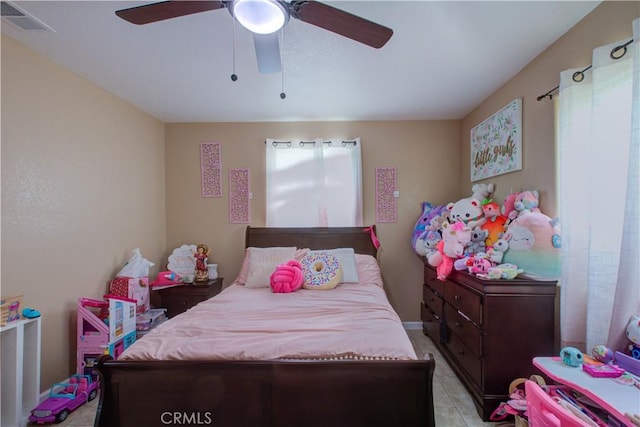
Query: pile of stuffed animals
(475,234)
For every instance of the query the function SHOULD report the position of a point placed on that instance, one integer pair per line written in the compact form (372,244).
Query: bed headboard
(358,238)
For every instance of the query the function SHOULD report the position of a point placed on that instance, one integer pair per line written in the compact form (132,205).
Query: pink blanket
(350,321)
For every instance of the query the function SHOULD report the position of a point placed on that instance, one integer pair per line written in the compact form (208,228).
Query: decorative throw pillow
(368,270)
(347,259)
(244,269)
(263,261)
(321,270)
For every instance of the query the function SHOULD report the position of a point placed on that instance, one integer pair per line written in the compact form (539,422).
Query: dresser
(179,299)
(488,330)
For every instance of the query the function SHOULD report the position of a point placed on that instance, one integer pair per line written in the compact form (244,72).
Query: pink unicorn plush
(454,239)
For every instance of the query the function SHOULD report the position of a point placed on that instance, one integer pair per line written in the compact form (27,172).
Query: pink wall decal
(386,207)
(239,196)
(211,169)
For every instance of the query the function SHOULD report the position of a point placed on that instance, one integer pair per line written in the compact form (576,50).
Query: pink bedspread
(350,321)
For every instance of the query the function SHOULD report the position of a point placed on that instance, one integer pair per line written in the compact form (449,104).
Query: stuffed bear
(478,237)
(527,201)
(468,210)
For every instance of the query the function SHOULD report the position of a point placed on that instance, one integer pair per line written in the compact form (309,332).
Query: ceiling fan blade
(267,52)
(341,22)
(154,12)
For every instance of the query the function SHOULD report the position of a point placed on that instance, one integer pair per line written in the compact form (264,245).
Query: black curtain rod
(303,143)
(616,53)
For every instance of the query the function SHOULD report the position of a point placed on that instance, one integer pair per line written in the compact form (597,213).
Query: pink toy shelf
(104,327)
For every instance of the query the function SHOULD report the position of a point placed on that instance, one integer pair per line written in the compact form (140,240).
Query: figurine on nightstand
(201,255)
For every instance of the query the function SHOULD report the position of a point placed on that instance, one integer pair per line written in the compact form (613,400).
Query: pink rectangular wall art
(211,169)
(239,196)
(386,207)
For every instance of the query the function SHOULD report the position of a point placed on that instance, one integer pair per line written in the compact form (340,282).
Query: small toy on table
(602,354)
(633,334)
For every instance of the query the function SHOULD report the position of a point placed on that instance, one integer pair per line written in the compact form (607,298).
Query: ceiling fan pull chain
(283,95)
(234,77)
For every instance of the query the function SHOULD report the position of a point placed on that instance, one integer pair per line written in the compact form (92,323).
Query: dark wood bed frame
(273,392)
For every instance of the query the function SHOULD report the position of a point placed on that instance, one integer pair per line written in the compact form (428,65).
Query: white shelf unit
(20,360)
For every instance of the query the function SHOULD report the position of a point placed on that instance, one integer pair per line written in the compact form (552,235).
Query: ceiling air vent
(20,19)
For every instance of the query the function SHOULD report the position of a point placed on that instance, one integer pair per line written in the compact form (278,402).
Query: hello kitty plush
(633,334)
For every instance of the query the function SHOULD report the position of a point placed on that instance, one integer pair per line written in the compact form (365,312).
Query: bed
(200,380)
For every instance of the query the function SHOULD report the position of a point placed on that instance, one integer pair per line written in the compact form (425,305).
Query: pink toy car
(65,398)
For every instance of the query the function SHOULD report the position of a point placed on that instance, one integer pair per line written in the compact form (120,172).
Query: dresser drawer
(467,361)
(431,280)
(464,300)
(431,300)
(469,334)
(430,324)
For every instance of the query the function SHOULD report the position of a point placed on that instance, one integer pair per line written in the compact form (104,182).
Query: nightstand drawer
(179,299)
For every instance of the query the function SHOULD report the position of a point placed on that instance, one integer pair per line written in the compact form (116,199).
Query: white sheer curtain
(314,183)
(598,139)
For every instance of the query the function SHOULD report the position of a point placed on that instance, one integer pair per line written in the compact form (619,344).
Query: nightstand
(179,299)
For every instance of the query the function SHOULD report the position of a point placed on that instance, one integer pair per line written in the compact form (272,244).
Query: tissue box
(136,288)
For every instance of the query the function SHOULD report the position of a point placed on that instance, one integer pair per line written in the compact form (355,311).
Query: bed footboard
(265,393)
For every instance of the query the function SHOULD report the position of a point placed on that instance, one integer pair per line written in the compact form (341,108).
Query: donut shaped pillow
(321,270)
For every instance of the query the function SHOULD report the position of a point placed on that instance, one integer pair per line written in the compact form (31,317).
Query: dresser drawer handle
(461,353)
(456,297)
(458,324)
(432,299)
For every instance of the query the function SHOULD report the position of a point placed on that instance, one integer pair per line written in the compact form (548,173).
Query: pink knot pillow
(287,277)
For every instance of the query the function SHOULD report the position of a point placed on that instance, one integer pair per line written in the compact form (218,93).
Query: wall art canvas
(211,169)
(386,207)
(496,143)
(239,196)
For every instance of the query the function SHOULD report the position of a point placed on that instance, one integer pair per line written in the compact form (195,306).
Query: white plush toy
(468,210)
(482,191)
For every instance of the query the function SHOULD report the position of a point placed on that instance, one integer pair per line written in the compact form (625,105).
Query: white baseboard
(412,325)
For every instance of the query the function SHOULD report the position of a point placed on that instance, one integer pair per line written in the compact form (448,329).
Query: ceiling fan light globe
(260,16)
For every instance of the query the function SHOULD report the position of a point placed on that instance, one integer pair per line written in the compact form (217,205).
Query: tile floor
(453,405)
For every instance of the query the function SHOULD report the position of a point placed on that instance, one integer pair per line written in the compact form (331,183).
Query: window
(314,183)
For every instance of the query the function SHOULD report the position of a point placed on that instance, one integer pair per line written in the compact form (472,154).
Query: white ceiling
(443,60)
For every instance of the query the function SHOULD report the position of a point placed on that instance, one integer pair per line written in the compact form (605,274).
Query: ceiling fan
(264,18)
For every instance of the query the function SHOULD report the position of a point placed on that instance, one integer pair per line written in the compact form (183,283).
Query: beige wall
(83,184)
(609,22)
(425,153)
(84,179)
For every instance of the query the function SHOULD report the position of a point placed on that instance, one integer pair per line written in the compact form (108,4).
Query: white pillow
(263,261)
(347,259)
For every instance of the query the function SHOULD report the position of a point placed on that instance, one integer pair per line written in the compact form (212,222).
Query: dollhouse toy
(104,327)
